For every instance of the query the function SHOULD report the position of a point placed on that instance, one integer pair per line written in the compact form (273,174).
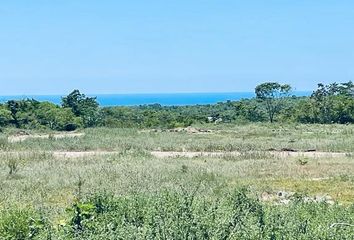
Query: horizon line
(139,93)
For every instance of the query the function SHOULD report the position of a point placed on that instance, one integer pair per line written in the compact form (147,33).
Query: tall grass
(337,138)
(184,215)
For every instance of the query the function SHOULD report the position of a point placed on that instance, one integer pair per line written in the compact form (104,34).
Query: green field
(105,183)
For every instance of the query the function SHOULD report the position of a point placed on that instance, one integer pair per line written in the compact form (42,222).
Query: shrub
(185,215)
(13,165)
(18,223)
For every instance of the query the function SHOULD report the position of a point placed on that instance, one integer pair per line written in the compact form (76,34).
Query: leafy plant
(81,212)
(19,223)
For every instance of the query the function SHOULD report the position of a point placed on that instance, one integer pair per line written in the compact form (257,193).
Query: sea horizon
(164,99)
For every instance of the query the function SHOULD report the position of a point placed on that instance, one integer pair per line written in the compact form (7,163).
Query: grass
(49,185)
(182,215)
(332,138)
(339,190)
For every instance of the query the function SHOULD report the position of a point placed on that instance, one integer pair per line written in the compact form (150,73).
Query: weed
(81,212)
(51,137)
(184,168)
(20,223)
(13,165)
(3,142)
(302,161)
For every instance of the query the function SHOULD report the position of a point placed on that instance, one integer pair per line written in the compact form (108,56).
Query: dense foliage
(84,107)
(30,113)
(333,103)
(171,215)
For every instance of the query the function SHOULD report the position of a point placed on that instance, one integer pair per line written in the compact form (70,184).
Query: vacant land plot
(326,138)
(277,164)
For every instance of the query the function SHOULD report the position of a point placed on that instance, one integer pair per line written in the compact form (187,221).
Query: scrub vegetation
(124,178)
(333,103)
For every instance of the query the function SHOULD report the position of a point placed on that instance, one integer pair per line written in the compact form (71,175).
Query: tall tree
(22,111)
(334,103)
(14,108)
(5,116)
(272,94)
(85,107)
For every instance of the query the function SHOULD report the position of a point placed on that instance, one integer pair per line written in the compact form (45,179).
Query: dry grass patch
(338,190)
(23,137)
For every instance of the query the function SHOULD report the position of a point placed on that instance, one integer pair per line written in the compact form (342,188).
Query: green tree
(57,118)
(5,116)
(333,103)
(14,108)
(85,107)
(23,112)
(272,94)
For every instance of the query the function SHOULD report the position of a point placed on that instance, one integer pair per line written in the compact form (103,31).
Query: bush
(184,215)
(20,223)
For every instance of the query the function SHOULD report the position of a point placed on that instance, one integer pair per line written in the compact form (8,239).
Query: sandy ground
(20,138)
(59,154)
(160,154)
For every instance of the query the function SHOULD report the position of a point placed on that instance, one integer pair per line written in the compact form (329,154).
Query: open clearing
(47,172)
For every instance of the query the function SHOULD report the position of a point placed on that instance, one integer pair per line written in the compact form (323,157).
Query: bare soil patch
(22,137)
(59,154)
(171,154)
(162,154)
(284,197)
(190,130)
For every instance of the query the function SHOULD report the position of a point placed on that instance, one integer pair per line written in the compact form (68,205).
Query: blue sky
(52,47)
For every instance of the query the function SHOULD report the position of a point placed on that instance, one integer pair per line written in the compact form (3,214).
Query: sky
(158,46)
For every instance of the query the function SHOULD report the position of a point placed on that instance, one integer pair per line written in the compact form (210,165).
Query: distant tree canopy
(85,107)
(57,118)
(30,113)
(5,116)
(332,103)
(272,94)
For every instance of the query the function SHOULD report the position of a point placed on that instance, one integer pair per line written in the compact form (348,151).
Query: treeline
(76,111)
(333,103)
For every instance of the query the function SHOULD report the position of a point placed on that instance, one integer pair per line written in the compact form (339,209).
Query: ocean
(165,99)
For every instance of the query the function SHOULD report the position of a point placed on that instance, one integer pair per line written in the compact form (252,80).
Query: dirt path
(59,154)
(160,154)
(20,138)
